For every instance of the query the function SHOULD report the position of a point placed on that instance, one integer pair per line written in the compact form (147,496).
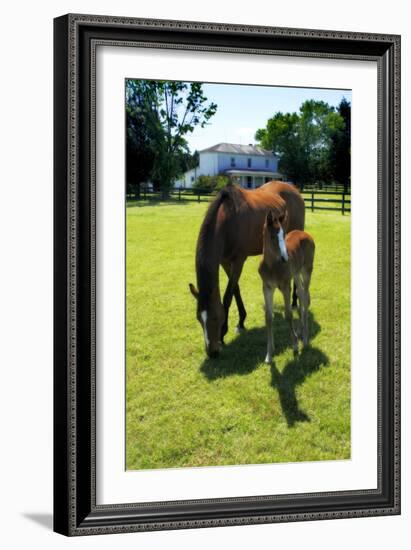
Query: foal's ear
(193,291)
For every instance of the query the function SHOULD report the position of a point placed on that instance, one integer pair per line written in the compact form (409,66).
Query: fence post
(312,201)
(343,203)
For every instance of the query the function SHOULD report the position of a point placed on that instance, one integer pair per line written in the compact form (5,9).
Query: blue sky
(243,109)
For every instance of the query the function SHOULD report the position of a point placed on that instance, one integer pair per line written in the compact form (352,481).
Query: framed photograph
(227,274)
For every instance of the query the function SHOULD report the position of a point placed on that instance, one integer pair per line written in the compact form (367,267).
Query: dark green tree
(168,111)
(281,136)
(302,141)
(190,161)
(139,140)
(341,147)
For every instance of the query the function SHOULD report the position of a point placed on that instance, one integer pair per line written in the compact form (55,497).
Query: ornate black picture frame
(75,40)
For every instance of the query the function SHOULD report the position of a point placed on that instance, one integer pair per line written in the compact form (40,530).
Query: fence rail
(319,200)
(335,187)
(314,199)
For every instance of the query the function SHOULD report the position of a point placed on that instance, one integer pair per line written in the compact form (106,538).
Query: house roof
(238,149)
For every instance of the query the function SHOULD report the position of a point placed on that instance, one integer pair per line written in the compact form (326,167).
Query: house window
(249,163)
(249,182)
(232,162)
(266,163)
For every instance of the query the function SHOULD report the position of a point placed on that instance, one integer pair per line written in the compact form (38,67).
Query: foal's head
(210,315)
(274,236)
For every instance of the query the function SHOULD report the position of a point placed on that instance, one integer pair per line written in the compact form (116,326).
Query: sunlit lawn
(186,410)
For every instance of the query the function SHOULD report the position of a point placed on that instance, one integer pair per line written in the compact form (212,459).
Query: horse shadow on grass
(247,351)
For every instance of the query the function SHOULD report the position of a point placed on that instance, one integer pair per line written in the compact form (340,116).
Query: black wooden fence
(314,199)
(327,200)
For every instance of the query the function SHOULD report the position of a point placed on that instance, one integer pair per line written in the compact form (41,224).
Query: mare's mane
(207,261)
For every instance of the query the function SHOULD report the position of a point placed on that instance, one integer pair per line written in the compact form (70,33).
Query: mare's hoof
(268,359)
(239,329)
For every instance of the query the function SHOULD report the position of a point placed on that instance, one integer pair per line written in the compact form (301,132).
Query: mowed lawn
(183,409)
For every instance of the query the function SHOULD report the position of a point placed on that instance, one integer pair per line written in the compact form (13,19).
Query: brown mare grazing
(231,231)
(284,260)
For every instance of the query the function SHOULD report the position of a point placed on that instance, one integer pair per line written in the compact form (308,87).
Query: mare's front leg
(242,313)
(268,292)
(295,302)
(288,313)
(234,276)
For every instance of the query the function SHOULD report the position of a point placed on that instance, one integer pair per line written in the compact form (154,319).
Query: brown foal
(286,258)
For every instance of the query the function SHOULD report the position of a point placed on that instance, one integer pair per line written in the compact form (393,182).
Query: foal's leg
(268,303)
(286,291)
(305,320)
(306,278)
(239,301)
(298,285)
(235,272)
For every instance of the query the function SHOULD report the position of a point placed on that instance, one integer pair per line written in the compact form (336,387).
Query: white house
(248,165)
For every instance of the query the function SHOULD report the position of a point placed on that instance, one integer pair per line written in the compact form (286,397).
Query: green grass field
(183,409)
